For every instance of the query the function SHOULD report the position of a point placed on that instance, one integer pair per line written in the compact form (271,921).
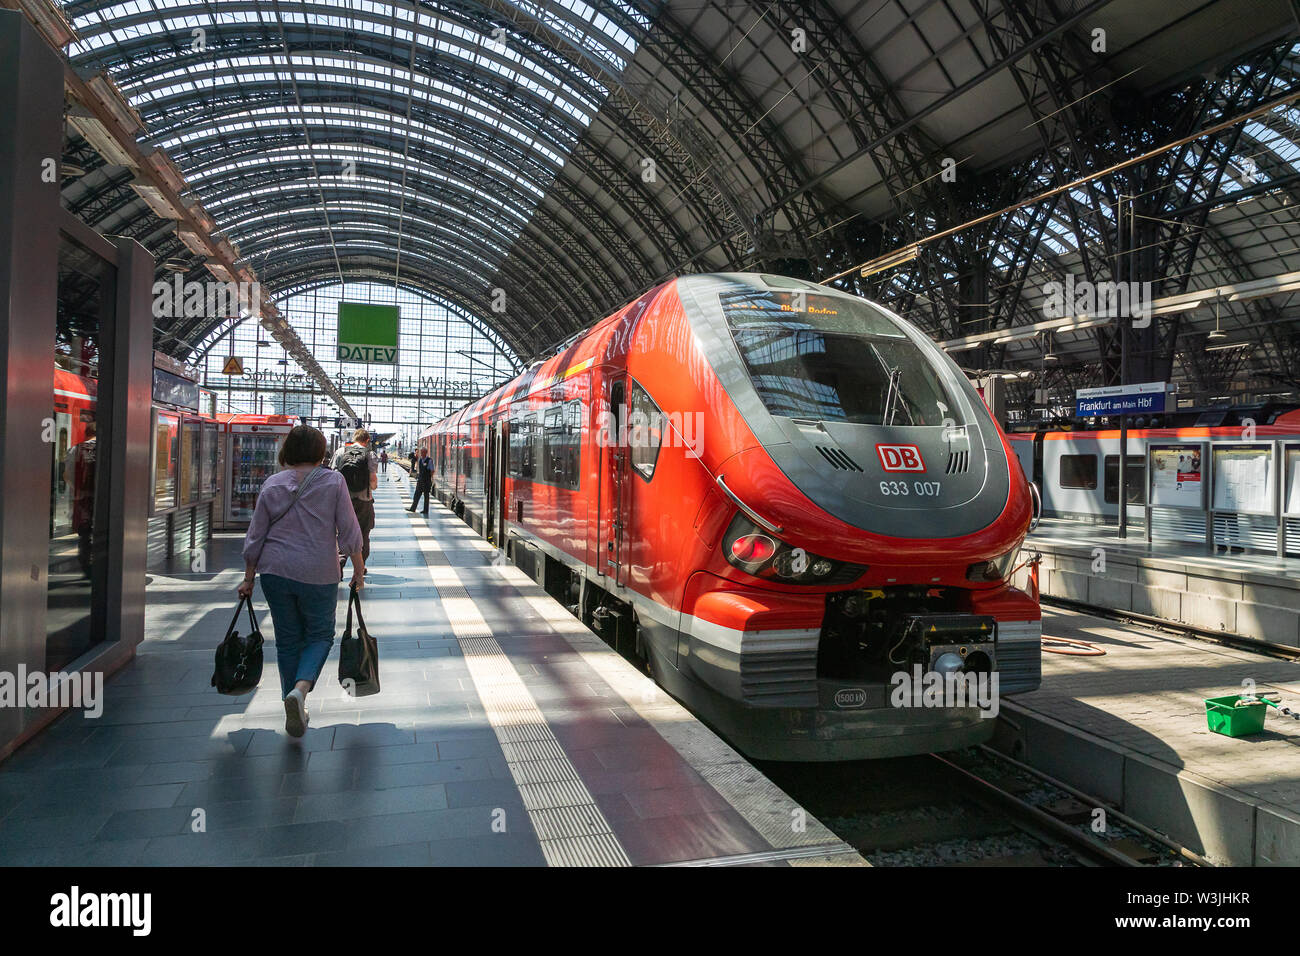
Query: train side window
(1136,480)
(1079,471)
(645,432)
(561,433)
(553,445)
(521,447)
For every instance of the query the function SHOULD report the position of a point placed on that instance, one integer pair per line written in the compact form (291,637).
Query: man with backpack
(360,469)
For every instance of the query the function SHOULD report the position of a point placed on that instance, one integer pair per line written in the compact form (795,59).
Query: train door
(611,543)
(494,521)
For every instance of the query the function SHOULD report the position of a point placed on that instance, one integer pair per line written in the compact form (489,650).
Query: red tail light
(753,548)
(763,556)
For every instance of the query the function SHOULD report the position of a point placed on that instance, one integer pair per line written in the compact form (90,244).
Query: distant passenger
(423,470)
(360,469)
(303,518)
(79,473)
(383,462)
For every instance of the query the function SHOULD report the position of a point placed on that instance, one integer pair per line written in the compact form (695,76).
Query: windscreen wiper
(891,397)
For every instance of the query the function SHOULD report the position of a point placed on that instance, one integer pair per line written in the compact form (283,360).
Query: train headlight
(755,552)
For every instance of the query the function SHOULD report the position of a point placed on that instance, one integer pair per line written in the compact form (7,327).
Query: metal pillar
(31,133)
(1125,324)
(31,223)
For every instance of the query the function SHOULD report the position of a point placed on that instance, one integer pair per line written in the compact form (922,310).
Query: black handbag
(358,656)
(239,656)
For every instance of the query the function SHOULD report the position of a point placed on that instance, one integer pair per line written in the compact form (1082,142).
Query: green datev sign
(367,333)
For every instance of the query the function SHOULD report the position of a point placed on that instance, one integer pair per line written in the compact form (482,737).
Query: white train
(1077,471)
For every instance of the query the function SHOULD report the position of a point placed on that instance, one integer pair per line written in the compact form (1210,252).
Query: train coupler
(950,643)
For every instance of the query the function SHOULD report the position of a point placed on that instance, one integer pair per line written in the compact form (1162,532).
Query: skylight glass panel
(196,108)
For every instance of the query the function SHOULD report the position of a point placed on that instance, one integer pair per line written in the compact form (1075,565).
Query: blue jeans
(303,615)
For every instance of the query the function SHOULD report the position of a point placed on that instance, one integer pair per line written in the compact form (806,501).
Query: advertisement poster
(1176,479)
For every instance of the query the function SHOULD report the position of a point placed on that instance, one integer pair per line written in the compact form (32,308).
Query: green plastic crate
(1223,717)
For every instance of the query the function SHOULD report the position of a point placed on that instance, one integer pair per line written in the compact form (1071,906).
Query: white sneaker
(295,713)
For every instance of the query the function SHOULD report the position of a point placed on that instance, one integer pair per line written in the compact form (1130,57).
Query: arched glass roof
(469,146)
(360,126)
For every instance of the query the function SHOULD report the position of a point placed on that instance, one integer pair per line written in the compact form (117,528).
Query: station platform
(1247,594)
(506,733)
(1129,728)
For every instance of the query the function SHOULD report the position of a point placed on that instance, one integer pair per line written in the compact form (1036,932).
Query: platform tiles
(506,734)
(1248,594)
(1129,728)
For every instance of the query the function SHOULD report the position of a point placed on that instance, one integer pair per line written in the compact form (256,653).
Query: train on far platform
(779,497)
(1077,468)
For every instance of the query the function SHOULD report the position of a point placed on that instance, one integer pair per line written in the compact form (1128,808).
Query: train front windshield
(834,359)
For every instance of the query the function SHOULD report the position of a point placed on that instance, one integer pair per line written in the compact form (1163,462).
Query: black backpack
(354,466)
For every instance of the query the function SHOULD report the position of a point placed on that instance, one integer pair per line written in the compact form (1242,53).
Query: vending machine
(252,451)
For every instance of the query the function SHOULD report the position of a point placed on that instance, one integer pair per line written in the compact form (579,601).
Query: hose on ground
(1084,649)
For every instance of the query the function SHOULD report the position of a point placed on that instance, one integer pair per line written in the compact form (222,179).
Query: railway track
(970,808)
(1235,641)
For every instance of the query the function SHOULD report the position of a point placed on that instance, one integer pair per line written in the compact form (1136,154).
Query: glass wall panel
(190,462)
(445,358)
(211,459)
(166,452)
(78,542)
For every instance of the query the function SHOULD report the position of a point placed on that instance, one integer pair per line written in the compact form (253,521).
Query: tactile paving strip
(569,825)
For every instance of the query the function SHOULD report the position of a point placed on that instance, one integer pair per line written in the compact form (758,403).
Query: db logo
(900,458)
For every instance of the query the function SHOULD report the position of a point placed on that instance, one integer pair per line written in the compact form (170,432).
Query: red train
(780,497)
(74,420)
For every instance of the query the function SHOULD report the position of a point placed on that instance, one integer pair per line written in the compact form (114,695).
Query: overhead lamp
(889,260)
(1049,357)
(176,265)
(98,136)
(166,170)
(71,170)
(200,216)
(156,200)
(194,242)
(49,19)
(219,271)
(1218,335)
(1230,345)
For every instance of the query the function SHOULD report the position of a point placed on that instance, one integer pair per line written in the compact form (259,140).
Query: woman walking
(303,520)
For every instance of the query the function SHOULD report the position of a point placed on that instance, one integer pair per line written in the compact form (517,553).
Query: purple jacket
(303,545)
